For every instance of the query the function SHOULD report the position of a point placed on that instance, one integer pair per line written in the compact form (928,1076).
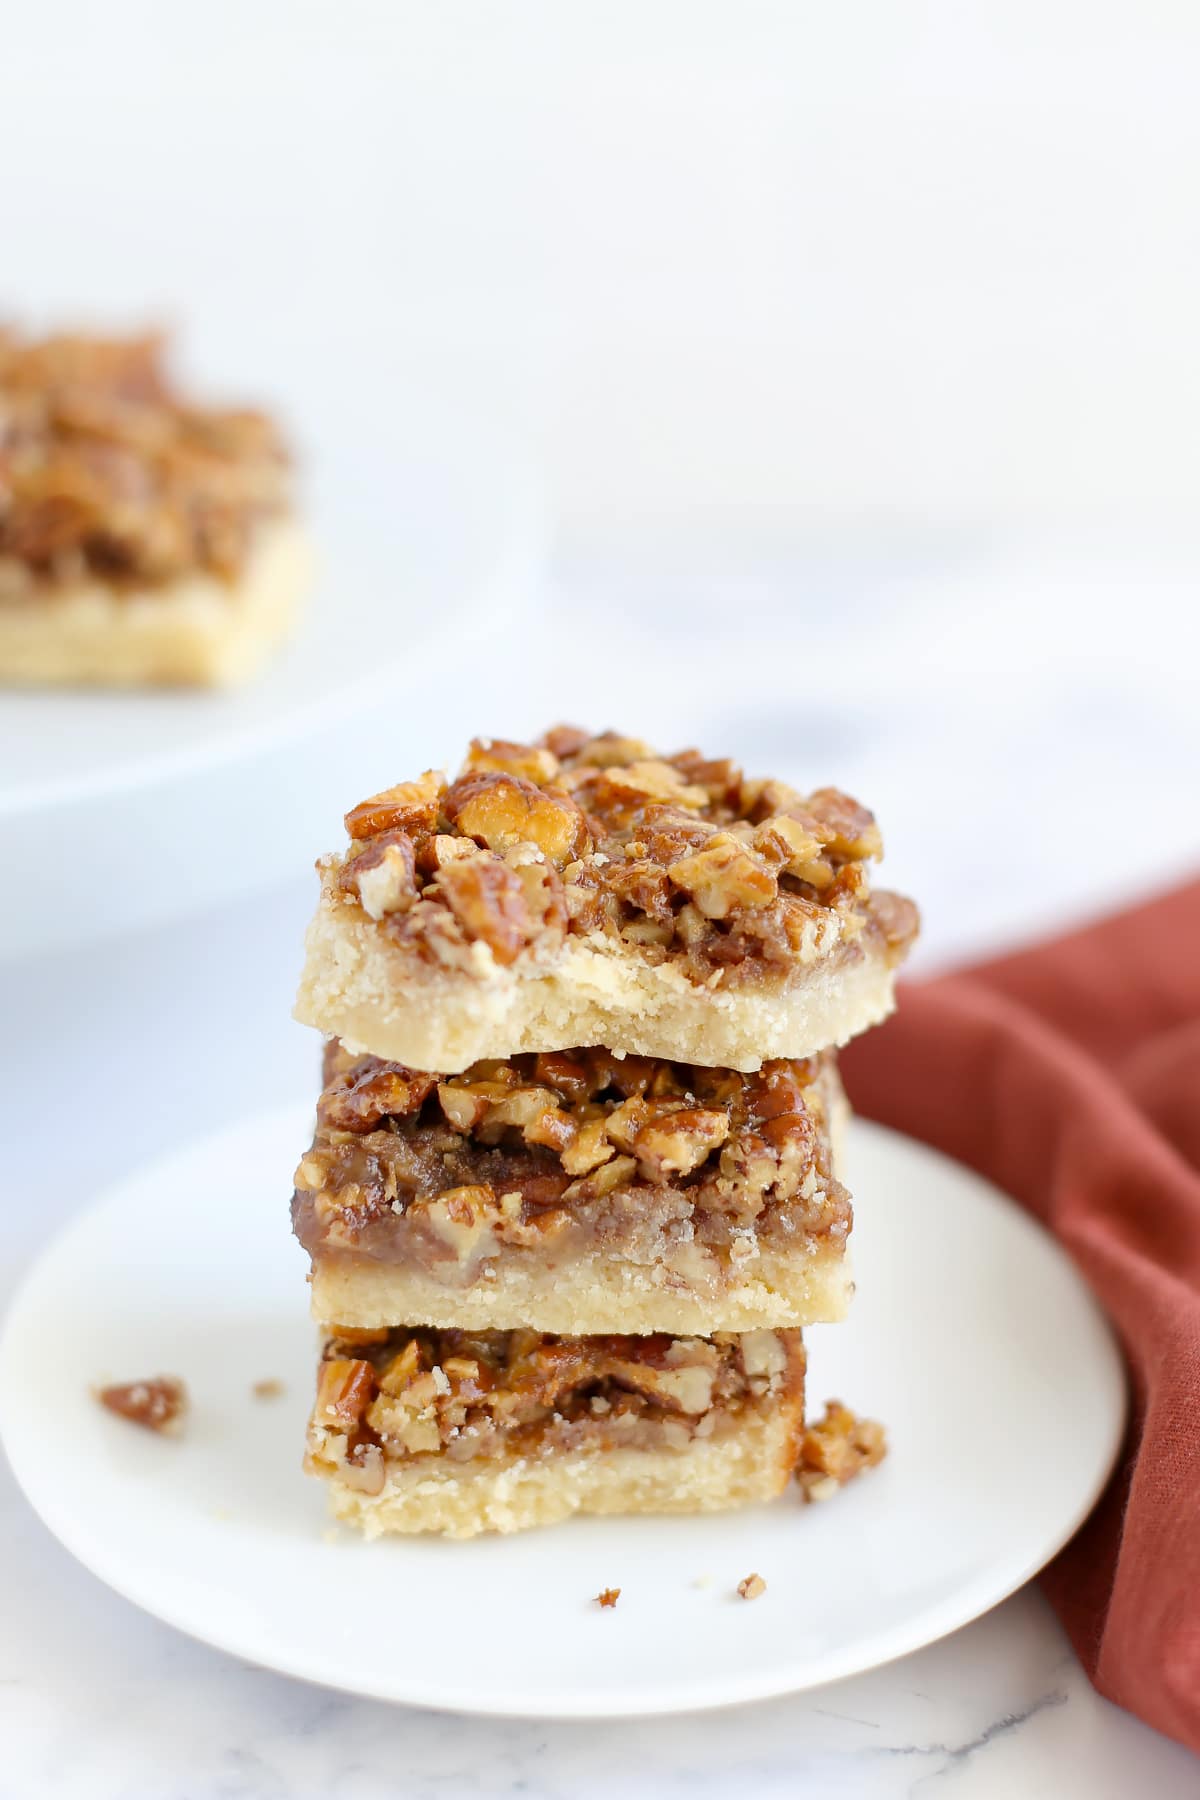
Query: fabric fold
(1069,1074)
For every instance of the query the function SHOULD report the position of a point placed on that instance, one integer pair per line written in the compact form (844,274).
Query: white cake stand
(121,810)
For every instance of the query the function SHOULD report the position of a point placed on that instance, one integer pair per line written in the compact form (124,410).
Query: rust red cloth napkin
(1070,1075)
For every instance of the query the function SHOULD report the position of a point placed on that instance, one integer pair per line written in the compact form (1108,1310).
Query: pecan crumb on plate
(751,1587)
(608,1596)
(157,1404)
(835,1449)
(270,1389)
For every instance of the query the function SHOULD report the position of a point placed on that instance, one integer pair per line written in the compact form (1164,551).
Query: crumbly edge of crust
(195,632)
(380,997)
(749,1464)
(595,1293)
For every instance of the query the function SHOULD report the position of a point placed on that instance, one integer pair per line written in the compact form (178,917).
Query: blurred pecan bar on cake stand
(576,1192)
(144,540)
(583,890)
(460,1432)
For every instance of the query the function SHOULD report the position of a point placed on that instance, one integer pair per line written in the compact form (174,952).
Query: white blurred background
(854,350)
(780,265)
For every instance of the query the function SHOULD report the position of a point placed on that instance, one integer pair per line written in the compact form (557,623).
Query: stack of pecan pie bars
(573,1192)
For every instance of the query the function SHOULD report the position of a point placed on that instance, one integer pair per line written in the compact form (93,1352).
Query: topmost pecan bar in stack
(585,891)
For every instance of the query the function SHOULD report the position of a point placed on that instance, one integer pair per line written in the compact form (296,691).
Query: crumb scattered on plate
(157,1403)
(271,1389)
(837,1448)
(751,1587)
(608,1596)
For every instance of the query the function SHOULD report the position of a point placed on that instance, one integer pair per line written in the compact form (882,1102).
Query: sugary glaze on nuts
(564,1151)
(106,472)
(837,1448)
(676,856)
(385,1396)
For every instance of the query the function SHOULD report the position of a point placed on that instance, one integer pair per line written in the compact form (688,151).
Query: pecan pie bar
(578,1192)
(460,1433)
(583,890)
(143,540)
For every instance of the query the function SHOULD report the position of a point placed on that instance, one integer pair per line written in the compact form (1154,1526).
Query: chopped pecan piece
(501,811)
(370,1090)
(686,1387)
(763,1354)
(534,762)
(625,1121)
(364,1469)
(720,776)
(849,828)
(649,779)
(590,1148)
(488,900)
(465,1107)
(565,740)
(535,1112)
(609,748)
(409,806)
(384,875)
(604,1180)
(751,1586)
(785,843)
(345,1389)
(724,876)
(608,1596)
(462,1217)
(157,1403)
(443,848)
(678,1142)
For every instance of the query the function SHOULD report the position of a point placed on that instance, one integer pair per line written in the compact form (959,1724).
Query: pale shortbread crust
(751,1461)
(378,996)
(196,632)
(806,1284)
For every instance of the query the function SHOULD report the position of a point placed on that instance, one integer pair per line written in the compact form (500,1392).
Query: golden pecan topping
(682,857)
(537,1144)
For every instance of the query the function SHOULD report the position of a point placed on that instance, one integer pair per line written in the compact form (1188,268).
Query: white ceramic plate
(971,1335)
(123,809)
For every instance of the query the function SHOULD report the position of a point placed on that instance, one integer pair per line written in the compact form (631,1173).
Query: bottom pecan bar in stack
(463,1432)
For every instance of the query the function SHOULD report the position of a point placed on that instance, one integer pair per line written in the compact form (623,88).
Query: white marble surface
(973,747)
